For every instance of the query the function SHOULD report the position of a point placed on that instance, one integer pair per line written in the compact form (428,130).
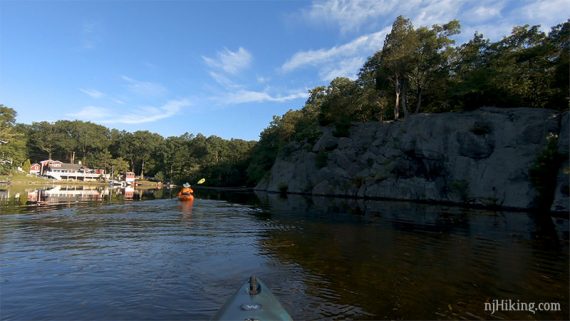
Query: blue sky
(213,67)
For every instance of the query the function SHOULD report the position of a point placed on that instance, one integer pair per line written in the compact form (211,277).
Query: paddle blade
(201,181)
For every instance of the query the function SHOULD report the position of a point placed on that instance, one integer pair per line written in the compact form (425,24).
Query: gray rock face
(479,158)
(561,201)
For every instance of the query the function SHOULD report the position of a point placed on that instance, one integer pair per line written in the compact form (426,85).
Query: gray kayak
(253,301)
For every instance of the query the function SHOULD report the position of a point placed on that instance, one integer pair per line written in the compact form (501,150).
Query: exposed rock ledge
(479,158)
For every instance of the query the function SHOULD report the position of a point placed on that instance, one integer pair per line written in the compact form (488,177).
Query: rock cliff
(478,158)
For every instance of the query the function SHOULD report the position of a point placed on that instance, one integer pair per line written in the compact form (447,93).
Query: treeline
(416,70)
(183,158)
(421,70)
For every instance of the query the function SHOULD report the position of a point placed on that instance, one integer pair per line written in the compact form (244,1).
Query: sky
(220,68)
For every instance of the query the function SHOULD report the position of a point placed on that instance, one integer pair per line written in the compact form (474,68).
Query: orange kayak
(185,194)
(188,197)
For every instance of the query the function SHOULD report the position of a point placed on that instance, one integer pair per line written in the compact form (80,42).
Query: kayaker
(186,190)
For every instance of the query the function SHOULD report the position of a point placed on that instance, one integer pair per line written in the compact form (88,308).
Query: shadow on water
(398,260)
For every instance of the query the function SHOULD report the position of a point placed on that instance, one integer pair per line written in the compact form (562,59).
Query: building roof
(67,166)
(71,166)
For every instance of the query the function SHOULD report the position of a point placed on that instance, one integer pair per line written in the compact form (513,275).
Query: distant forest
(416,70)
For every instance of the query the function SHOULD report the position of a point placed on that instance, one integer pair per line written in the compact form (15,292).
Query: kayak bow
(188,197)
(253,301)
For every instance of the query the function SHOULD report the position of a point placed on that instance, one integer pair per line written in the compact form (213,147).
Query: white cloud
(144,88)
(359,47)
(493,18)
(93,93)
(349,14)
(90,35)
(546,13)
(249,96)
(91,113)
(507,14)
(118,101)
(339,61)
(345,68)
(149,114)
(429,12)
(223,80)
(230,62)
(139,115)
(227,65)
(262,80)
(484,13)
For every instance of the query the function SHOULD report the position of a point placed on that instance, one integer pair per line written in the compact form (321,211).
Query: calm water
(117,255)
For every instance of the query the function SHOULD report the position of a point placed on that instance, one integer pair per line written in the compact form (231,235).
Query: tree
(26,166)
(526,68)
(471,74)
(338,104)
(396,60)
(521,65)
(81,139)
(307,126)
(430,59)
(117,167)
(144,145)
(373,91)
(42,140)
(264,153)
(559,41)
(12,142)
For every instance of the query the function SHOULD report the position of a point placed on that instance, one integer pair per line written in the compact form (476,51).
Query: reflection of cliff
(398,260)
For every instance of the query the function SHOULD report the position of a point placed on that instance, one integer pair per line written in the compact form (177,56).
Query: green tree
(79,139)
(26,166)
(118,166)
(521,62)
(374,95)
(144,145)
(12,142)
(430,60)
(337,105)
(559,42)
(471,74)
(397,60)
(42,139)
(265,151)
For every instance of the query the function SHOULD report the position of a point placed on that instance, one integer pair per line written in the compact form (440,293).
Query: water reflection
(49,196)
(398,260)
(110,257)
(186,208)
(61,194)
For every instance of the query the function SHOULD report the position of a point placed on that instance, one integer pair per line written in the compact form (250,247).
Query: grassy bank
(22,179)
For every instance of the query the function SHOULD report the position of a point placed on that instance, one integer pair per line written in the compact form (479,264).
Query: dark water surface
(324,258)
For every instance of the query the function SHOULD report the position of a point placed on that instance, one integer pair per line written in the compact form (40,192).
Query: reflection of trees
(413,261)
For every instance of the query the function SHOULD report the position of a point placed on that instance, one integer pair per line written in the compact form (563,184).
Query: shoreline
(18,180)
(229,189)
(495,208)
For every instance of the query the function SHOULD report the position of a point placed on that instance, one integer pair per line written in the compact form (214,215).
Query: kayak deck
(253,301)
